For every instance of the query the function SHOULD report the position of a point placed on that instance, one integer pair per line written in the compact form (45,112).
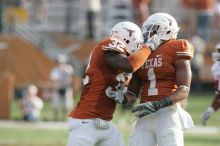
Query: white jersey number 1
(152,78)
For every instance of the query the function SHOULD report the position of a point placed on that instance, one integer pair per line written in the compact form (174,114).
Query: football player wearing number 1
(110,65)
(162,82)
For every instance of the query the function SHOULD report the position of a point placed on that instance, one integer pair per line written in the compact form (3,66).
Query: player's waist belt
(99,123)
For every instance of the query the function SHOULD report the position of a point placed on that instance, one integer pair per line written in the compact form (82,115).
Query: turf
(21,136)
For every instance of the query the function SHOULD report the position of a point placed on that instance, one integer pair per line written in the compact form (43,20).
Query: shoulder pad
(115,44)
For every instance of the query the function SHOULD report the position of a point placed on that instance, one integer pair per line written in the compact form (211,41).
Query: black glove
(147,108)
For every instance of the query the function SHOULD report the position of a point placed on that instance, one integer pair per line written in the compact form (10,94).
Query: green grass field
(24,136)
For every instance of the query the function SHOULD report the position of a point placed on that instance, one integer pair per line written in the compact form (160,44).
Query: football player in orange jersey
(110,65)
(162,83)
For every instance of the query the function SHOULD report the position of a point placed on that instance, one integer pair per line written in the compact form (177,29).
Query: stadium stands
(25,61)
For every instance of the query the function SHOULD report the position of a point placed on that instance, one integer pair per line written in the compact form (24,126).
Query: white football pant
(162,128)
(83,132)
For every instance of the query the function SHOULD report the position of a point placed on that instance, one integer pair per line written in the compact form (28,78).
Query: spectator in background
(216,21)
(188,21)
(38,10)
(140,11)
(31,105)
(94,6)
(198,17)
(197,63)
(62,96)
(204,13)
(216,75)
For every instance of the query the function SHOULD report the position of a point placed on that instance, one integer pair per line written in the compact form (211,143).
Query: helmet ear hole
(126,41)
(168,32)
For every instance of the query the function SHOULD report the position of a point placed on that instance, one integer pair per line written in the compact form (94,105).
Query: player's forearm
(130,97)
(183,80)
(127,64)
(118,61)
(180,94)
(138,58)
(216,102)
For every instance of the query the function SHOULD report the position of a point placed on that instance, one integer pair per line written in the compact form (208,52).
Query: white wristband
(185,87)
(211,109)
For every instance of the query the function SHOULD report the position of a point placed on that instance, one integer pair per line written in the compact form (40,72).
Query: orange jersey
(158,72)
(100,78)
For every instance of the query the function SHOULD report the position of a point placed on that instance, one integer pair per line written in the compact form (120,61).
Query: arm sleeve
(138,58)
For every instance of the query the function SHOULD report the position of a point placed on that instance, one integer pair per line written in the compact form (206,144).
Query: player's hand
(153,42)
(144,109)
(118,96)
(150,107)
(206,115)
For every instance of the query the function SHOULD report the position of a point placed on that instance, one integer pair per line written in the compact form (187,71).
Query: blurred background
(34,32)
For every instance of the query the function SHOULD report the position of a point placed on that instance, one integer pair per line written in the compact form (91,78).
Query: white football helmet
(128,33)
(216,53)
(161,26)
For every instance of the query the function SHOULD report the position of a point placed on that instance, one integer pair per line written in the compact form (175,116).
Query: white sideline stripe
(200,130)
(36,125)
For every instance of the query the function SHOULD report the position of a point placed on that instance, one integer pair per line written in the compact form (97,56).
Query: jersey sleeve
(184,50)
(114,44)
